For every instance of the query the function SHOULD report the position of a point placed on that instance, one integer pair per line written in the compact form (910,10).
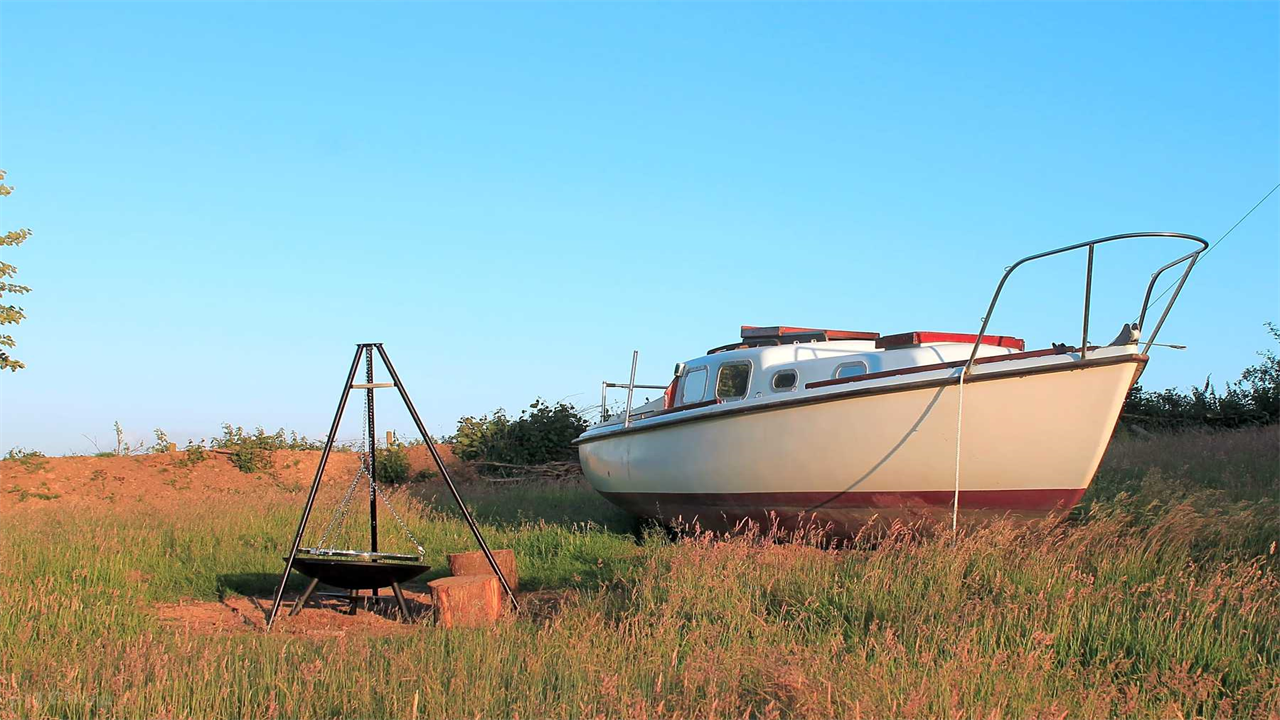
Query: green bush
(251,452)
(249,459)
(278,440)
(393,467)
(1252,400)
(162,442)
(32,460)
(541,434)
(194,455)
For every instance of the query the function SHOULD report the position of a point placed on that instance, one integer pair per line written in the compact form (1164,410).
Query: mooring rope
(955,501)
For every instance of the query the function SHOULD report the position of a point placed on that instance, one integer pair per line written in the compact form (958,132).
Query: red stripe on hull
(1036,500)
(845,511)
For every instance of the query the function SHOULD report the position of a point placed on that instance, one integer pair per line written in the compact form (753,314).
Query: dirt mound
(165,479)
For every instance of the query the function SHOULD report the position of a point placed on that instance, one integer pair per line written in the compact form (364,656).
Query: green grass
(1163,601)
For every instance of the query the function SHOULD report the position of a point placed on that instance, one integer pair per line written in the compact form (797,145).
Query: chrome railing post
(631,388)
(1160,323)
(1146,299)
(1088,290)
(1190,258)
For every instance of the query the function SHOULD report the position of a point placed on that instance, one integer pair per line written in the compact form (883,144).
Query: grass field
(1162,601)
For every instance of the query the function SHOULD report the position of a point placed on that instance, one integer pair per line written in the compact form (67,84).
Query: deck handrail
(630,385)
(1190,259)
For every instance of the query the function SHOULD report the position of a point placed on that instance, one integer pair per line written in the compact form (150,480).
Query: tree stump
(467,601)
(475,563)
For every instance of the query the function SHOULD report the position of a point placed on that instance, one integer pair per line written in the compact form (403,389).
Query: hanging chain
(365,453)
(400,520)
(340,515)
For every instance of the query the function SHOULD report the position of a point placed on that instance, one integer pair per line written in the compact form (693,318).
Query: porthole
(852,369)
(784,380)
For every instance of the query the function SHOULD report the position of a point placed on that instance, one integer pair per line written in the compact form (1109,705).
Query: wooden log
(467,601)
(475,563)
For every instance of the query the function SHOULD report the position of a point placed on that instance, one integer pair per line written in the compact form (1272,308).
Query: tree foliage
(10,314)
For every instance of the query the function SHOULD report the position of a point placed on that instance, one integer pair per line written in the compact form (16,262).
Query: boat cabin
(775,361)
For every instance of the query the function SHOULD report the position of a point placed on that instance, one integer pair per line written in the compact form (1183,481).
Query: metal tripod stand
(367,349)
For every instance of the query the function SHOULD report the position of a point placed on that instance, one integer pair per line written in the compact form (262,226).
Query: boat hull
(1031,442)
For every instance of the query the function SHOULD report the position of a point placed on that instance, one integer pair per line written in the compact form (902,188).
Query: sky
(225,198)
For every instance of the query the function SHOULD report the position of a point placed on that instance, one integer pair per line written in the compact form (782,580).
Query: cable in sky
(1215,244)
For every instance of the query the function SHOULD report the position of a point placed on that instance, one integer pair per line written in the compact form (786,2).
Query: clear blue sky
(512,197)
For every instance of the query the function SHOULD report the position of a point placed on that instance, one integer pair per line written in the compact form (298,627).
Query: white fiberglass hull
(1031,441)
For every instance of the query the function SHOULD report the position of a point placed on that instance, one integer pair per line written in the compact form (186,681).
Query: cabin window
(784,380)
(694,386)
(852,369)
(733,380)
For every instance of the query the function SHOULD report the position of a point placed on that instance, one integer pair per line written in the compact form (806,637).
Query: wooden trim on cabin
(884,374)
(690,406)
(856,392)
(1046,352)
(942,366)
(920,337)
(749,332)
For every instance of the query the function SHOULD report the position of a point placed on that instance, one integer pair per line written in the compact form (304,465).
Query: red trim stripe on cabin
(919,337)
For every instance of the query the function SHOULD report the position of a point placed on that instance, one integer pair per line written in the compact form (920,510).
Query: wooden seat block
(467,600)
(475,563)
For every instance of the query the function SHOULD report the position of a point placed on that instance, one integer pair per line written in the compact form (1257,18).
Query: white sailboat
(795,426)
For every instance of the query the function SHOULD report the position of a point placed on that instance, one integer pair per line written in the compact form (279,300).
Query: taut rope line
(955,501)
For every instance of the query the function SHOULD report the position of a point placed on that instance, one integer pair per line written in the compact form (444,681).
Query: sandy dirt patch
(168,480)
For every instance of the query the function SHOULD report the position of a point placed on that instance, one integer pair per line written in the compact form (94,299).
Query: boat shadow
(512,506)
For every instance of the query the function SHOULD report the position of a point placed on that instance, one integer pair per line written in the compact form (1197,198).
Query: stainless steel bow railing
(1190,260)
(631,387)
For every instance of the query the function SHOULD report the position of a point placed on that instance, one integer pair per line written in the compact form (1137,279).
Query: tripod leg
(302,599)
(444,474)
(404,611)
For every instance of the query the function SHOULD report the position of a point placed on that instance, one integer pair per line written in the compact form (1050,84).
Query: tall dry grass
(1162,601)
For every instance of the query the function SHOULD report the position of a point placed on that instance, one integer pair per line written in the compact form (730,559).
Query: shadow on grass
(565,535)
(509,506)
(258,584)
(264,584)
(539,600)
